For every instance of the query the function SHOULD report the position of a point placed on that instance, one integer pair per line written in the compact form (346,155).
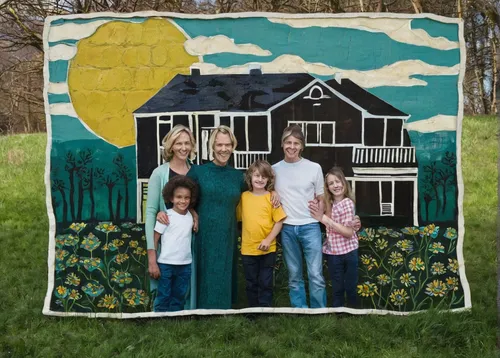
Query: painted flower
(137,228)
(105,247)
(72,279)
(133,244)
(121,258)
(450,233)
(126,236)
(367,289)
(395,258)
(74,295)
(72,261)
(437,268)
(383,279)
(60,241)
(429,230)
(453,265)
(394,233)
(140,251)
(405,245)
(61,292)
(122,278)
(407,279)
(436,248)
(77,227)
(115,244)
(452,283)
(135,297)
(108,301)
(436,288)
(107,227)
(90,263)
(412,230)
(60,267)
(143,237)
(368,234)
(90,242)
(381,244)
(93,288)
(383,230)
(369,262)
(416,264)
(61,254)
(71,240)
(399,297)
(127,225)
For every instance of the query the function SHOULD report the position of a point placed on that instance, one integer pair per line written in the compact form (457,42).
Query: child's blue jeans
(259,271)
(172,287)
(343,270)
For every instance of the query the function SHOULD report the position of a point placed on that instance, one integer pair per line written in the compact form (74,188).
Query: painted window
(317,134)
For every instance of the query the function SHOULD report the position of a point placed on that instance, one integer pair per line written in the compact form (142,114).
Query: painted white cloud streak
(434,124)
(202,45)
(62,52)
(71,31)
(58,88)
(397,29)
(396,74)
(63,109)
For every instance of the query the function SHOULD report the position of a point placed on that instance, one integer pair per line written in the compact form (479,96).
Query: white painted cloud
(70,31)
(63,109)
(58,88)
(434,124)
(62,52)
(202,45)
(396,74)
(397,29)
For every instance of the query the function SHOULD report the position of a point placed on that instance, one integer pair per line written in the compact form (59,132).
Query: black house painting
(344,125)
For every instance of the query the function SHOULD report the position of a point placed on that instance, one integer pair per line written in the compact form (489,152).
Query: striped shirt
(335,243)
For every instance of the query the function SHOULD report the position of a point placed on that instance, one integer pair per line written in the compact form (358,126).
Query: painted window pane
(225,121)
(327,133)
(239,132)
(164,129)
(374,131)
(386,191)
(257,130)
(181,119)
(393,135)
(147,147)
(312,133)
(206,120)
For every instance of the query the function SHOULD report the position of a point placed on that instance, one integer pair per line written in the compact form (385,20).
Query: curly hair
(180,181)
(265,169)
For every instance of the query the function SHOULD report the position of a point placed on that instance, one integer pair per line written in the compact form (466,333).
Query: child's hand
(154,270)
(162,217)
(356,223)
(264,245)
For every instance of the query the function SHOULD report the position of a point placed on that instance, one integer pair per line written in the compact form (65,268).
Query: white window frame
(319,124)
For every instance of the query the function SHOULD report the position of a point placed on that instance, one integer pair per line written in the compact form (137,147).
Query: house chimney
(195,71)
(255,69)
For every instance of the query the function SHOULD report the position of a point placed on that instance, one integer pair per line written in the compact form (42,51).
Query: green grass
(24,331)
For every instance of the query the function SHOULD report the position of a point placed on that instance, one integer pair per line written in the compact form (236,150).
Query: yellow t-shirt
(258,217)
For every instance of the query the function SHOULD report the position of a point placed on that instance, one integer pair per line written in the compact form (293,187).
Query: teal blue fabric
(215,242)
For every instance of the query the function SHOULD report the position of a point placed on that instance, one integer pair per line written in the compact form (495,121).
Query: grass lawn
(24,331)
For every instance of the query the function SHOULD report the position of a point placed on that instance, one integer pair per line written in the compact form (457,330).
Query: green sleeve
(153,205)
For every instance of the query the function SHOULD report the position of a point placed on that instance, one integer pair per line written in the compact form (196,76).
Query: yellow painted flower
(107,227)
(61,254)
(436,288)
(133,244)
(381,244)
(72,279)
(413,230)
(135,297)
(122,278)
(430,230)
(452,283)
(77,227)
(416,264)
(367,289)
(140,251)
(74,295)
(453,265)
(143,237)
(90,242)
(399,297)
(121,258)
(436,248)
(405,245)
(125,236)
(383,279)
(105,247)
(407,279)
(72,260)
(437,268)
(61,291)
(117,242)
(395,258)
(108,301)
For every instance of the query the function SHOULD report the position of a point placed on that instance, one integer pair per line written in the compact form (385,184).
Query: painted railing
(383,155)
(242,160)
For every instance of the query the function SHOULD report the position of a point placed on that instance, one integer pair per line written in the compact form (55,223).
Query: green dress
(215,242)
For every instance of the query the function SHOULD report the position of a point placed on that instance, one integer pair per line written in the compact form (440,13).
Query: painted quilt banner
(379,95)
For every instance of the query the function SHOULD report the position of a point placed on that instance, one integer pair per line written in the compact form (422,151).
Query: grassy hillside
(24,331)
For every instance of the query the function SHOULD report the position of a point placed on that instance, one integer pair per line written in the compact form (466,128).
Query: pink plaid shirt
(336,244)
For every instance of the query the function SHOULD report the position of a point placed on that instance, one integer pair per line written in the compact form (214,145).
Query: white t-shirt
(296,184)
(176,239)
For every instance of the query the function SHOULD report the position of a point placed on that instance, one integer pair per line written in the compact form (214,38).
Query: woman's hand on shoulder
(275,199)
(162,217)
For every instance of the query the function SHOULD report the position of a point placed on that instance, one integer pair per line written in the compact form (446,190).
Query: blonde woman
(179,147)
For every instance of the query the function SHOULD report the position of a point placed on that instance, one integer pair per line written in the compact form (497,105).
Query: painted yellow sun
(118,68)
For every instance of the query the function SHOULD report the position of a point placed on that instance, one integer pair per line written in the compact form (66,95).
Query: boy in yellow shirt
(261,224)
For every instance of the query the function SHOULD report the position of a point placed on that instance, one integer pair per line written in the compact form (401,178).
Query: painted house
(344,125)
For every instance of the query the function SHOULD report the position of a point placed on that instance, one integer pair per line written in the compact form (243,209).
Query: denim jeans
(173,285)
(343,270)
(259,271)
(298,239)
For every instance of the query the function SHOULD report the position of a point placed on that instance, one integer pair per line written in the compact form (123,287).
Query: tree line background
(21,42)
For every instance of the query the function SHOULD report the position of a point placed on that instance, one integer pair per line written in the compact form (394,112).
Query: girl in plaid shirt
(341,244)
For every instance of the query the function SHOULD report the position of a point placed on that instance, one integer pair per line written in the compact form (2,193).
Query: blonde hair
(347,188)
(265,169)
(222,130)
(295,131)
(169,141)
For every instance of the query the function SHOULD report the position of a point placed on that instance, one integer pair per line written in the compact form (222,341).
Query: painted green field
(24,331)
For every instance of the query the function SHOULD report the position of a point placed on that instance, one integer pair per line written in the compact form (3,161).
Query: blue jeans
(296,239)
(343,270)
(172,287)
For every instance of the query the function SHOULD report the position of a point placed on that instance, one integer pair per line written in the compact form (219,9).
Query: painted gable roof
(364,99)
(232,92)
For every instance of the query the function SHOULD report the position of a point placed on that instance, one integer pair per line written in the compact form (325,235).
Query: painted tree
(109,181)
(59,186)
(428,195)
(71,168)
(84,174)
(445,176)
(125,174)
(433,184)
